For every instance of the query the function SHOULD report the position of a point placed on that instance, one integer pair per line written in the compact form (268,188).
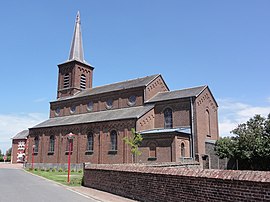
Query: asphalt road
(19,186)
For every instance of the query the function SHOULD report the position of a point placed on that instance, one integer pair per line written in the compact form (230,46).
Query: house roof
(109,115)
(139,82)
(21,135)
(177,94)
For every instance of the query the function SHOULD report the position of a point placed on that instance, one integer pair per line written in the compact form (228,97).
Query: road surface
(16,185)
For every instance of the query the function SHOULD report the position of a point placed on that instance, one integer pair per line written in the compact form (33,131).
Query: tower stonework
(75,74)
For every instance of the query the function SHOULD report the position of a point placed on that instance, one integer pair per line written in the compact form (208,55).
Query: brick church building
(175,125)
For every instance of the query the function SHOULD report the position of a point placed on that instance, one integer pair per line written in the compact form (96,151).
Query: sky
(223,44)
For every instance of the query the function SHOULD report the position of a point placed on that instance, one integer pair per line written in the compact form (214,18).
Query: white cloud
(11,124)
(232,113)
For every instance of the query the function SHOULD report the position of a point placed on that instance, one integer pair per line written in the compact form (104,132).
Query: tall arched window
(83,82)
(90,142)
(208,126)
(66,81)
(51,144)
(36,143)
(113,137)
(168,119)
(183,150)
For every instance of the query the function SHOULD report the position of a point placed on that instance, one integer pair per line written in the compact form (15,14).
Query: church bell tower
(74,75)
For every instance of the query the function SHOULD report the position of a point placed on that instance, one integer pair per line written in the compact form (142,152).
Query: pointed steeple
(76,49)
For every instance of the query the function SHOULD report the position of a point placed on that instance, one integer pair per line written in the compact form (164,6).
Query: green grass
(60,177)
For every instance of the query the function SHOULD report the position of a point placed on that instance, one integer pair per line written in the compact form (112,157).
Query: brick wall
(146,183)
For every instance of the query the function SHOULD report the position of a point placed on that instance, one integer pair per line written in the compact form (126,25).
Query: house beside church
(175,125)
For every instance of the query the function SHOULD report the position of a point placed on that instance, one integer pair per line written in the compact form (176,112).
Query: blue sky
(224,44)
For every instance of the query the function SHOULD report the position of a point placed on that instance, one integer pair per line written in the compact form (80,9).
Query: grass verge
(60,177)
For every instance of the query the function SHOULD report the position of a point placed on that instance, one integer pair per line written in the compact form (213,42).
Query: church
(175,125)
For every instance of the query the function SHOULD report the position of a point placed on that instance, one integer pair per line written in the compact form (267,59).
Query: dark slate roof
(177,94)
(109,115)
(139,82)
(21,135)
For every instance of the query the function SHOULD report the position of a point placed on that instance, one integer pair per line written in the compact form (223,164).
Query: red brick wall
(156,86)
(178,184)
(205,102)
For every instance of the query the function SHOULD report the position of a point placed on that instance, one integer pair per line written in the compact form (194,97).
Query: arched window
(83,82)
(183,150)
(168,119)
(90,142)
(36,143)
(51,144)
(113,136)
(208,126)
(66,81)
(152,149)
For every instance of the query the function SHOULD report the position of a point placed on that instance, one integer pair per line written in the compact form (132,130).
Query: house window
(183,150)
(90,142)
(36,143)
(83,81)
(72,109)
(51,144)
(90,106)
(132,100)
(208,126)
(109,103)
(66,81)
(113,137)
(168,119)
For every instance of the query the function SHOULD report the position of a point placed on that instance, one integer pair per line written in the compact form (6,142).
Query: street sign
(5,158)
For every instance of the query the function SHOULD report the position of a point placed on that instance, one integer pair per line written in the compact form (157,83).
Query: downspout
(192,148)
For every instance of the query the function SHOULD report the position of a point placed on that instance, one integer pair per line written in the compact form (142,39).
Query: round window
(109,103)
(73,109)
(57,111)
(90,106)
(132,100)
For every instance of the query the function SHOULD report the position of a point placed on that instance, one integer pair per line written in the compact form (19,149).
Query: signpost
(5,158)
(70,137)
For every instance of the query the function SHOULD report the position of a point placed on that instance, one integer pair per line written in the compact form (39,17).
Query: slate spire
(76,49)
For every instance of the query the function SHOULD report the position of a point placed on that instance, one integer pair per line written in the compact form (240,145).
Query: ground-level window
(183,150)
(90,142)
(69,144)
(113,136)
(51,144)
(36,143)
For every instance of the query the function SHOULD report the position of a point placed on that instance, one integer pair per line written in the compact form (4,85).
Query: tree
(8,152)
(134,142)
(250,145)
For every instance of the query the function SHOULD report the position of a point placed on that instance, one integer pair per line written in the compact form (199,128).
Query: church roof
(108,115)
(139,82)
(177,94)
(21,135)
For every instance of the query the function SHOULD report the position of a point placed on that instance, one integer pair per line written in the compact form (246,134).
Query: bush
(60,170)
(53,170)
(35,169)
(79,171)
(72,171)
(42,169)
(48,170)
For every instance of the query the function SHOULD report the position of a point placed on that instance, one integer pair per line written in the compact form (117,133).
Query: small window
(113,137)
(132,100)
(208,126)
(152,148)
(168,119)
(73,109)
(183,150)
(90,106)
(83,81)
(36,143)
(66,81)
(90,142)
(109,103)
(51,144)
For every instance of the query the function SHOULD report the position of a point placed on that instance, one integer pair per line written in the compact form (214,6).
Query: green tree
(8,152)
(250,145)
(134,142)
